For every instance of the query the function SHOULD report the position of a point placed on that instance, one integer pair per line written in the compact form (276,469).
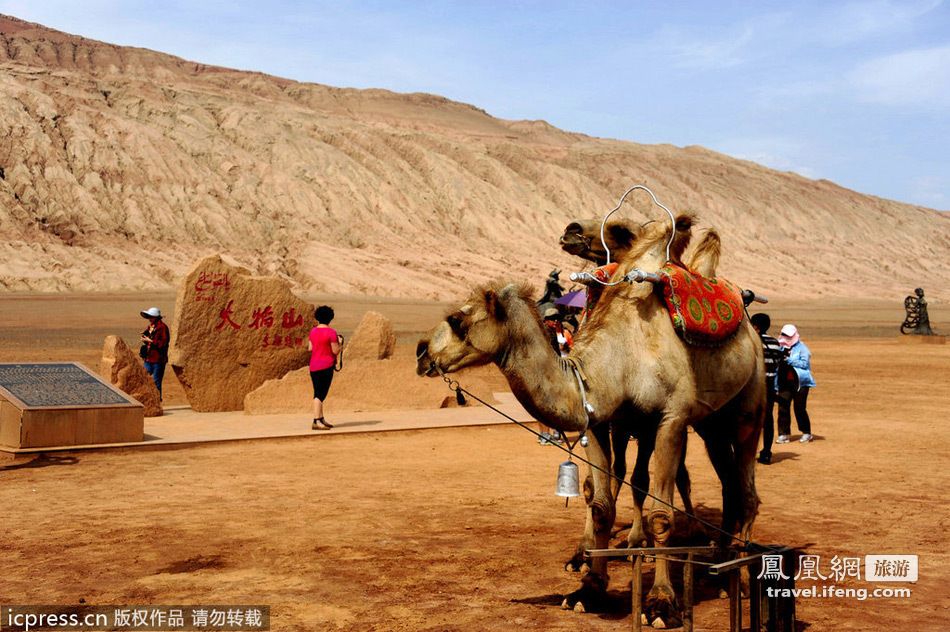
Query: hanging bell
(568,481)
(459,398)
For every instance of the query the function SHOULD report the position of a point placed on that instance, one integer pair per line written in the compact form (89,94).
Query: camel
(582,238)
(634,366)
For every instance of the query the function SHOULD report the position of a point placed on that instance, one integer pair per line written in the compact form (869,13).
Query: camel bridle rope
(455,387)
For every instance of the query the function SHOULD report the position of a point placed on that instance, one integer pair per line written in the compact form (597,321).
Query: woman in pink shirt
(324,347)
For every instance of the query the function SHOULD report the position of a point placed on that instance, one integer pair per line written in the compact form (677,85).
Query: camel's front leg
(640,481)
(579,562)
(661,602)
(600,519)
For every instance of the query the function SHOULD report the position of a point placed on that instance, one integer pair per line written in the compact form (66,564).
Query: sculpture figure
(553,290)
(917,322)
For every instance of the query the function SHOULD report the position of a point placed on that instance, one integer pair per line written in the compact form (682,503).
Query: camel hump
(704,260)
(682,236)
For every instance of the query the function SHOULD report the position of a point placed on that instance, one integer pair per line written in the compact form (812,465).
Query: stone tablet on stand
(52,404)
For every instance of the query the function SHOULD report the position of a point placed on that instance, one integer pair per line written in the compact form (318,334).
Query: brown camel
(582,238)
(634,364)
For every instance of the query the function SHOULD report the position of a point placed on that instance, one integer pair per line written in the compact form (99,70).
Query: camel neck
(543,383)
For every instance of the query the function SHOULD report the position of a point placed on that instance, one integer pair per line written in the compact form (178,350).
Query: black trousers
(768,430)
(787,400)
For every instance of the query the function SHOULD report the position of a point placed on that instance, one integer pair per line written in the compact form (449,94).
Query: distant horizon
(857,94)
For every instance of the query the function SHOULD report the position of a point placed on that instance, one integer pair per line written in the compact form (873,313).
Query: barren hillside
(120,166)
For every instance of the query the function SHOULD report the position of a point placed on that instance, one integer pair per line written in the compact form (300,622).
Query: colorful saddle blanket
(704,311)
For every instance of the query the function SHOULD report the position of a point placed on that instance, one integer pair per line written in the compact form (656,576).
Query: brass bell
(568,480)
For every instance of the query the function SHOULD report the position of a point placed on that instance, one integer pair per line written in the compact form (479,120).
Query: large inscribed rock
(233,331)
(125,370)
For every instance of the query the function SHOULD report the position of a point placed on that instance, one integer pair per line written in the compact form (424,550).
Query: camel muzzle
(425,366)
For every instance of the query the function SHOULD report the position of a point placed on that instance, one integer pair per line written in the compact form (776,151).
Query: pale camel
(582,238)
(636,367)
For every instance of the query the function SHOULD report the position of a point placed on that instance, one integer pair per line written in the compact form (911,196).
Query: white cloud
(930,191)
(698,47)
(917,77)
(860,21)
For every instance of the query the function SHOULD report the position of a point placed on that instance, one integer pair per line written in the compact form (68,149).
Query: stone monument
(233,331)
(50,404)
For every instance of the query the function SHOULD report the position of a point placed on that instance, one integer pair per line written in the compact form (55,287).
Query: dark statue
(552,289)
(918,320)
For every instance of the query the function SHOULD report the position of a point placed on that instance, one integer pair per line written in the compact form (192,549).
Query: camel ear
(493,305)
(619,237)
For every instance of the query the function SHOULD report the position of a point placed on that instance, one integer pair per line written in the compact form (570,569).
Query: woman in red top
(324,347)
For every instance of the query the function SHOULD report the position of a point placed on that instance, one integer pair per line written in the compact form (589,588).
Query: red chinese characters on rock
(291,320)
(282,341)
(226,318)
(263,319)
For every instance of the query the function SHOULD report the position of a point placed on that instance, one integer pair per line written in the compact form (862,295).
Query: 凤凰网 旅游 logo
(890,568)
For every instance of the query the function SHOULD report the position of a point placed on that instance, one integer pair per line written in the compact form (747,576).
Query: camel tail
(705,257)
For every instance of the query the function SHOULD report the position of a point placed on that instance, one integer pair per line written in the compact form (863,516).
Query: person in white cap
(794,391)
(154,349)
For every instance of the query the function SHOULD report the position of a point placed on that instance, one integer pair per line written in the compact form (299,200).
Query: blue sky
(853,92)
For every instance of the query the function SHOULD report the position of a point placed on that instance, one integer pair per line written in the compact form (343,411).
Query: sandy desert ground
(458,529)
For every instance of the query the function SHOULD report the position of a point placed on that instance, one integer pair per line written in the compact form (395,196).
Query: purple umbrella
(573,299)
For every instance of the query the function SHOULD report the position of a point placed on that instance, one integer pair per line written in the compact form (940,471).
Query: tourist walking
(793,384)
(324,347)
(154,349)
(773,355)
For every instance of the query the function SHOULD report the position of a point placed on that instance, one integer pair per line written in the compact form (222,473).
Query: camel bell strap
(578,367)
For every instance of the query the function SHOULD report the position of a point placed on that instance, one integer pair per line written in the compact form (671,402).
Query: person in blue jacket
(793,392)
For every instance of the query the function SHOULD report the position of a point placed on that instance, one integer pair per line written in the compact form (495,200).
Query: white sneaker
(806,438)
(782,439)
(544,439)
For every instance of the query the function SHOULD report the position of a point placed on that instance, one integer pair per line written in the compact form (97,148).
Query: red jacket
(158,348)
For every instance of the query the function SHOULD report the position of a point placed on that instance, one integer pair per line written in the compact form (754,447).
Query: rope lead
(748,544)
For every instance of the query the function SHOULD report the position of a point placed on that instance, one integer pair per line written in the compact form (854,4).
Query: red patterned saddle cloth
(704,311)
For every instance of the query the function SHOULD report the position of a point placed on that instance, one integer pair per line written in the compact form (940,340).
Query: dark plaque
(66,385)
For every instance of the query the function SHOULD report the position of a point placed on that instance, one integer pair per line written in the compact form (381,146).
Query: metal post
(755,603)
(636,590)
(735,602)
(688,593)
(786,605)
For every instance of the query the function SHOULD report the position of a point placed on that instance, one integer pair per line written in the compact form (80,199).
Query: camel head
(478,332)
(582,238)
